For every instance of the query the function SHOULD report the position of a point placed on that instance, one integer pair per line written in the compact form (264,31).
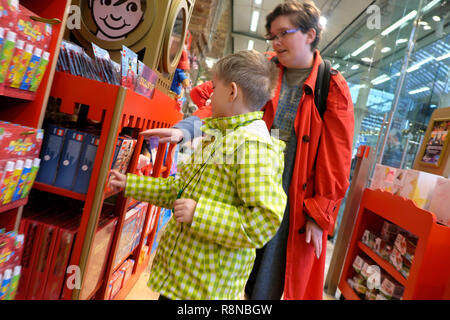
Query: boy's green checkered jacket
(240,204)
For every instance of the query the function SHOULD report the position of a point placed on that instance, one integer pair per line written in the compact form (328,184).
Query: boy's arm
(161,192)
(255,221)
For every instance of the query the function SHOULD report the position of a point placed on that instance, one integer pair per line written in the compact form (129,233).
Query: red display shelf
(13,205)
(430,268)
(59,191)
(382,263)
(348,292)
(17,93)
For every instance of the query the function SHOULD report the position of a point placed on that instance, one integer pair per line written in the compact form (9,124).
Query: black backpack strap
(322,87)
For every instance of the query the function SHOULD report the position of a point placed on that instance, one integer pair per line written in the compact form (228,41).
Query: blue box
(70,156)
(50,153)
(86,164)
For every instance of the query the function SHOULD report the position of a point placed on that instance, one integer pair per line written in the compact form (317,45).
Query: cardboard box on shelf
(50,154)
(439,201)
(387,178)
(418,186)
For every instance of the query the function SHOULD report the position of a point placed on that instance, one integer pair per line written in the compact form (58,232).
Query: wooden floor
(142,292)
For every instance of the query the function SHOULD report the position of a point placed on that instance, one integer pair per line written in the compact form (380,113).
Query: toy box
(86,164)
(127,269)
(439,201)
(19,142)
(51,153)
(70,156)
(117,280)
(387,178)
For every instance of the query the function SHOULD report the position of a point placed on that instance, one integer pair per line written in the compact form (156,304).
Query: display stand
(26,108)
(430,268)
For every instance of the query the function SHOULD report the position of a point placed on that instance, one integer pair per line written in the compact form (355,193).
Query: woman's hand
(172,135)
(314,233)
(184,209)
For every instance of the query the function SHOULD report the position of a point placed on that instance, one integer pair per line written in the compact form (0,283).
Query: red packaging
(6,250)
(127,269)
(10,13)
(19,142)
(37,33)
(117,278)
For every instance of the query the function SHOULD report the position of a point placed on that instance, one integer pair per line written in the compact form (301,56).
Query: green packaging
(40,72)
(7,54)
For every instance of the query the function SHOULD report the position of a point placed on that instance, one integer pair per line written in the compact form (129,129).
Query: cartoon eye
(132,7)
(106,2)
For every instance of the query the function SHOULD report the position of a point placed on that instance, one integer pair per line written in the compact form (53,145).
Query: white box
(418,186)
(387,178)
(440,201)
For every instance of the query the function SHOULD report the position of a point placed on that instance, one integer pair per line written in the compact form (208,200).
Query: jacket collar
(231,123)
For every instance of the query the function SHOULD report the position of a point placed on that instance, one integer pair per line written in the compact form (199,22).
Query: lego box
(51,152)
(86,164)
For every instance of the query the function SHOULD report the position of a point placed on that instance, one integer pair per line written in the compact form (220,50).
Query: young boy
(229,200)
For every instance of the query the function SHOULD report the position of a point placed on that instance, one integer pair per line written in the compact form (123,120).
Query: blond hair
(252,72)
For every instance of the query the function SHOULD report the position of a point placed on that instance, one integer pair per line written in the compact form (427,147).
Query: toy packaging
(439,201)
(129,68)
(40,72)
(25,82)
(19,142)
(146,81)
(86,164)
(418,186)
(6,54)
(107,70)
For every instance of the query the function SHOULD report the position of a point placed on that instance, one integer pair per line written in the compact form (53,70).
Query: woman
(317,157)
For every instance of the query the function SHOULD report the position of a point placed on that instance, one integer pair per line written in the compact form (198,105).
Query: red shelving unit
(430,269)
(27,108)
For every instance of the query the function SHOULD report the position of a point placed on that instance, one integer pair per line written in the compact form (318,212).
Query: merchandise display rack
(116,107)
(28,108)
(430,269)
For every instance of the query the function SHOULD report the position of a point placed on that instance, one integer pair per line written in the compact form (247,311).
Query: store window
(372,61)
(398,74)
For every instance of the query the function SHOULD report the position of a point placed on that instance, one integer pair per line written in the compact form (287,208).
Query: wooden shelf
(13,205)
(59,191)
(382,263)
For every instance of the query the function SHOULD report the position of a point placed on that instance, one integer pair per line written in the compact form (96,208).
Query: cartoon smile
(114,19)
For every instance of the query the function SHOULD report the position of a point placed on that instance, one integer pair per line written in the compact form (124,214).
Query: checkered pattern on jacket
(240,204)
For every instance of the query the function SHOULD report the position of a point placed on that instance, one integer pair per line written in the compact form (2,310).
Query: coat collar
(231,123)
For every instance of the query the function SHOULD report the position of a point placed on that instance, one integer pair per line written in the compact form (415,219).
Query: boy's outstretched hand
(184,209)
(117,180)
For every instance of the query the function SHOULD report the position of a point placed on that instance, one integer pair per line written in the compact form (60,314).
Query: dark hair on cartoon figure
(302,14)
(119,2)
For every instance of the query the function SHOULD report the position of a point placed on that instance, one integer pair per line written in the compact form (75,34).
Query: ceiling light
(323,21)
(400,41)
(255,20)
(423,23)
(251,44)
(258,2)
(419,64)
(436,18)
(337,65)
(368,44)
(355,67)
(430,5)
(419,90)
(400,22)
(426,28)
(367,59)
(385,49)
(445,56)
(380,79)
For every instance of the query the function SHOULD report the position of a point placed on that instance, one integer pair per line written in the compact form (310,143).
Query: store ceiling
(340,14)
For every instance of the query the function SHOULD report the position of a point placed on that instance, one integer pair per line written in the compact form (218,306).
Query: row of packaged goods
(24,45)
(19,160)
(11,248)
(428,191)
(68,157)
(393,244)
(131,73)
(46,243)
(372,283)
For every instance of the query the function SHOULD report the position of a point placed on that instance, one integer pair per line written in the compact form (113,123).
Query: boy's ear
(234,91)
(311,36)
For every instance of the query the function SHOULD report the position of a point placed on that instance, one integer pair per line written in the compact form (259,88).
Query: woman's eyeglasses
(281,35)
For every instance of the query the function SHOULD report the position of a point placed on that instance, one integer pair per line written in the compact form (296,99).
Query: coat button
(308,90)
(306,138)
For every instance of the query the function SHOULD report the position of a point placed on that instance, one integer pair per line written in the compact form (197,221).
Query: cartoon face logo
(115,19)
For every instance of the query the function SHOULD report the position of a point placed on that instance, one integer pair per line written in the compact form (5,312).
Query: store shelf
(13,205)
(389,268)
(17,93)
(59,191)
(348,292)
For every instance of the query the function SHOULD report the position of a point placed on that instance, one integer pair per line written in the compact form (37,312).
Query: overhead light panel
(445,56)
(419,90)
(436,18)
(258,2)
(336,66)
(255,20)
(400,41)
(367,45)
(419,64)
(426,27)
(380,79)
(385,49)
(323,21)
(355,67)
(251,44)
(367,59)
(400,22)
(430,5)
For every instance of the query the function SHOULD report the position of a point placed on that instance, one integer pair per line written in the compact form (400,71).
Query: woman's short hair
(252,72)
(304,15)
